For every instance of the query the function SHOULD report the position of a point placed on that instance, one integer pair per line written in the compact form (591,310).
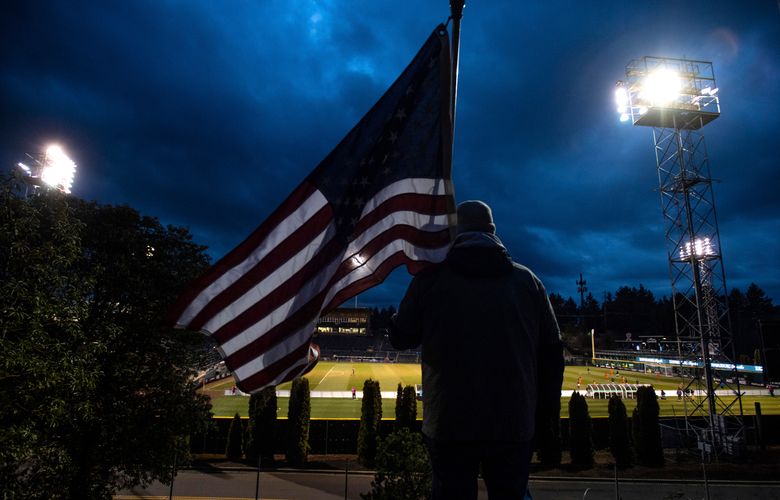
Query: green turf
(332,376)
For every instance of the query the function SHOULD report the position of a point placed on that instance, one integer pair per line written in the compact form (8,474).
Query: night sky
(207,114)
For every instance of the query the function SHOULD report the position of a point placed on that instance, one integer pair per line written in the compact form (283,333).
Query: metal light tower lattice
(677,97)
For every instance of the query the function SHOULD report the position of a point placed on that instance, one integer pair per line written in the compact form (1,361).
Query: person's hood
(479,254)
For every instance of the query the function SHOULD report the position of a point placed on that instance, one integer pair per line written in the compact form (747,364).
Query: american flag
(381,198)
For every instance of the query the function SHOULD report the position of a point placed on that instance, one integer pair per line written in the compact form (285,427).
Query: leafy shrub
(402,468)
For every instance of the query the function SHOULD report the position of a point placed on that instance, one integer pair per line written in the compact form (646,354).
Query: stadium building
(345,321)
(657,354)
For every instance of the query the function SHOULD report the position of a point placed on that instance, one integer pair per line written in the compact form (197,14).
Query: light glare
(58,169)
(621,97)
(660,87)
(700,248)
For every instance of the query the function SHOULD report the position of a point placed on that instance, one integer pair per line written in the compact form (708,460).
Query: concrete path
(240,484)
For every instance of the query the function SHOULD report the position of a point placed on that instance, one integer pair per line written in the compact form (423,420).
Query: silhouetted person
(492,360)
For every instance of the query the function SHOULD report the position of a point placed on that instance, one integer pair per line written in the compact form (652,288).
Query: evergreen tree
(410,404)
(406,413)
(756,301)
(591,311)
(580,431)
(261,431)
(633,310)
(235,439)
(403,470)
(370,416)
(249,442)
(646,429)
(565,312)
(298,417)
(619,442)
(399,396)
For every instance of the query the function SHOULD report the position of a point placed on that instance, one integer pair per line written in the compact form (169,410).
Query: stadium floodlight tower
(677,97)
(53,169)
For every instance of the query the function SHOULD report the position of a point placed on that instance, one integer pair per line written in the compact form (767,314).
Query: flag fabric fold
(382,198)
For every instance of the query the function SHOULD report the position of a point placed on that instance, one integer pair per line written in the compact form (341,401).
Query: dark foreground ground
(326,478)
(754,466)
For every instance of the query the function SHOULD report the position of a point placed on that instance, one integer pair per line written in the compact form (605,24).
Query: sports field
(339,376)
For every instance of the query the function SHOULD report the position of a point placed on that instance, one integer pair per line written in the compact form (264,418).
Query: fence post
(617,484)
(346,479)
(704,473)
(173,476)
(759,428)
(257,479)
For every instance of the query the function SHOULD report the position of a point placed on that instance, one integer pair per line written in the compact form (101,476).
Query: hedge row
(340,436)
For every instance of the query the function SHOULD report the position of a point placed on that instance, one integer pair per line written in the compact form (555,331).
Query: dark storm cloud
(207,114)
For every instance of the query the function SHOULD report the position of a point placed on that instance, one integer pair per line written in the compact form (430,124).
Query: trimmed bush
(406,408)
(580,431)
(298,416)
(399,396)
(403,470)
(235,439)
(260,436)
(646,429)
(370,415)
(619,442)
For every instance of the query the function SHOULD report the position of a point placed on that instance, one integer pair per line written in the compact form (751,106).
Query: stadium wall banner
(700,364)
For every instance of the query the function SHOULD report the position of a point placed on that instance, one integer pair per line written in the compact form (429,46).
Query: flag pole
(456,11)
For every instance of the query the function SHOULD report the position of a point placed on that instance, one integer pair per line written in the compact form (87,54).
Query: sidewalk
(335,485)
(326,479)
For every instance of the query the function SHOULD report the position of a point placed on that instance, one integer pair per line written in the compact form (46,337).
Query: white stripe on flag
(406,186)
(316,285)
(271,282)
(281,232)
(277,352)
(284,311)
(369,266)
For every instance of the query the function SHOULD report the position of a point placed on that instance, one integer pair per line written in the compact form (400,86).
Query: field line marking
(324,377)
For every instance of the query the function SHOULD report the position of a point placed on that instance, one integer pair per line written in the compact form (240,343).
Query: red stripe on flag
(279,295)
(243,250)
(278,333)
(418,238)
(265,267)
(373,279)
(408,202)
(270,372)
(311,309)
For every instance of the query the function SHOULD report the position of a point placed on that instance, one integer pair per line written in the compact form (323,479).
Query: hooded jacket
(491,349)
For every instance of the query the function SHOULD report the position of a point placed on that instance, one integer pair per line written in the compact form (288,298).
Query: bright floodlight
(58,169)
(661,87)
(621,98)
(700,248)
(668,93)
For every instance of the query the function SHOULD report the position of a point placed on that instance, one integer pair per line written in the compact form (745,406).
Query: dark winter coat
(491,348)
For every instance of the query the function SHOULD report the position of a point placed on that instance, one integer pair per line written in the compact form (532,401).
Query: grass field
(332,376)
